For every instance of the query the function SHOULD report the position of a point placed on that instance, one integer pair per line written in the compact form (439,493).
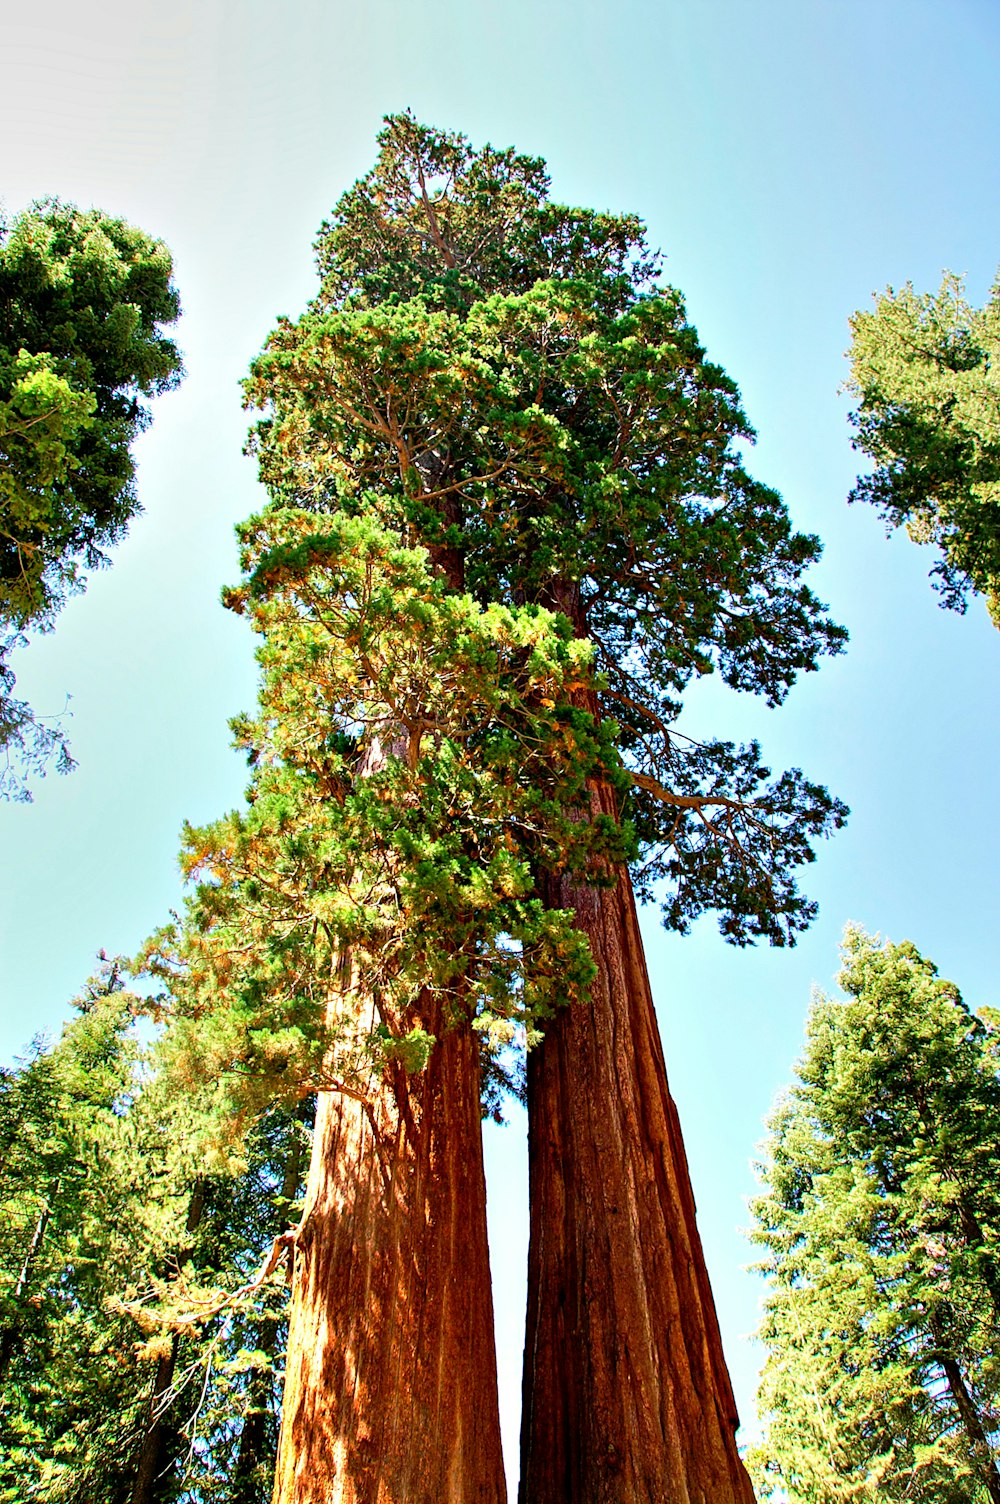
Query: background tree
(881,1225)
(83,300)
(133,1365)
(923,366)
(505,381)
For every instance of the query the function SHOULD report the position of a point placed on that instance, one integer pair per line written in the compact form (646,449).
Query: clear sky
(791,157)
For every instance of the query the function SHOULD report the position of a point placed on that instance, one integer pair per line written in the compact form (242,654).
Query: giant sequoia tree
(508,526)
(881,1224)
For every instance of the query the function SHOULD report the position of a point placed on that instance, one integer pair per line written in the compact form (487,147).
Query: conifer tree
(359,929)
(880,1222)
(84,298)
(507,526)
(504,381)
(137,1351)
(923,368)
(70,1388)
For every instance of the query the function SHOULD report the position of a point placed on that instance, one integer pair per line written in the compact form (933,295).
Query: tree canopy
(84,298)
(924,370)
(504,378)
(503,478)
(880,1225)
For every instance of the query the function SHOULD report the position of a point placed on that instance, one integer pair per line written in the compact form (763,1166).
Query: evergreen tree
(923,369)
(72,1165)
(83,298)
(137,1350)
(372,903)
(508,526)
(881,1225)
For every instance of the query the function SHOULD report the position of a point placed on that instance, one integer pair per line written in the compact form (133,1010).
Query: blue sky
(791,159)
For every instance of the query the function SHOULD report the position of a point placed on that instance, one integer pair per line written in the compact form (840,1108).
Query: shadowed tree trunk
(979,1444)
(626,1393)
(390,1388)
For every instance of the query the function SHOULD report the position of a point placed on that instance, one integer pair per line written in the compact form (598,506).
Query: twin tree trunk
(626,1396)
(390,1388)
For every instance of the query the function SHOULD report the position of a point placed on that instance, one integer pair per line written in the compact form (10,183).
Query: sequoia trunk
(390,1388)
(626,1392)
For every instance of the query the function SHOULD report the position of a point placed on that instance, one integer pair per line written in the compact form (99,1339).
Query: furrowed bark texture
(627,1398)
(390,1389)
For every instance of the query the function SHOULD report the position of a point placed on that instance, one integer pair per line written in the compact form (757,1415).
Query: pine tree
(922,367)
(83,300)
(881,1225)
(72,1164)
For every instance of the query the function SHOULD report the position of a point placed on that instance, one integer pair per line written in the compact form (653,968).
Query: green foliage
(881,1224)
(508,525)
(414,754)
(83,297)
(437,218)
(121,1261)
(72,1166)
(924,368)
(527,403)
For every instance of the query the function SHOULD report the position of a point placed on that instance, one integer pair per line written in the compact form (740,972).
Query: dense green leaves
(881,1224)
(437,218)
(83,298)
(924,368)
(509,524)
(566,442)
(125,1328)
(414,754)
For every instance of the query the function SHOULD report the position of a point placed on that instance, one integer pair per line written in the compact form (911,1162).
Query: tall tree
(880,1223)
(83,301)
(359,930)
(923,368)
(503,380)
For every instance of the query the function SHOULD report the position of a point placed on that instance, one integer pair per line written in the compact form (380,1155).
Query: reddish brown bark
(390,1390)
(626,1392)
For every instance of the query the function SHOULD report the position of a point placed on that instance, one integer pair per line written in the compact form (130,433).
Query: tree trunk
(160,1441)
(11,1333)
(390,1387)
(978,1441)
(626,1392)
(979,1444)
